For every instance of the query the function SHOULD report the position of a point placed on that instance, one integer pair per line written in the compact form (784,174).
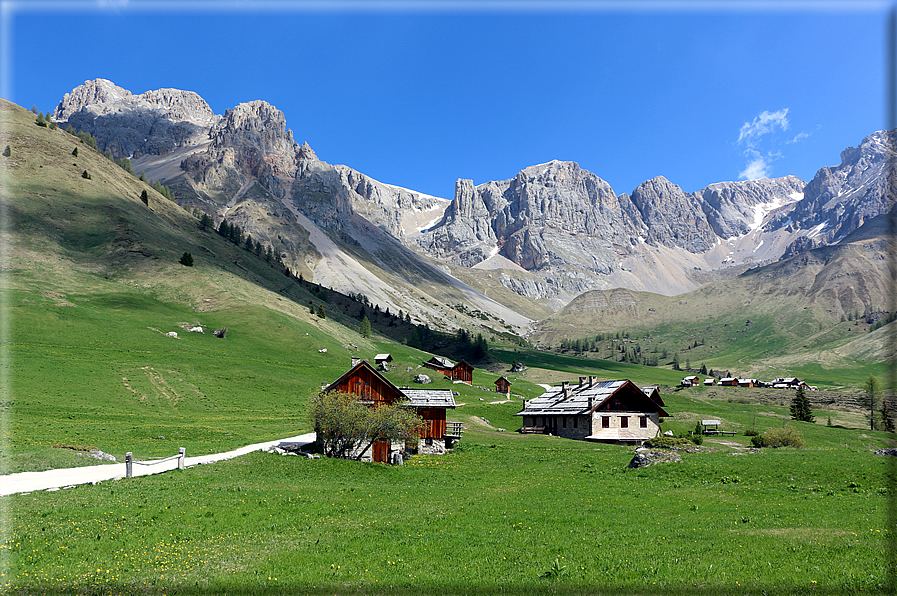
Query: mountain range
(501,254)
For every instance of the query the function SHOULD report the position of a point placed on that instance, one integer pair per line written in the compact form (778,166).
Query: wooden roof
(430,398)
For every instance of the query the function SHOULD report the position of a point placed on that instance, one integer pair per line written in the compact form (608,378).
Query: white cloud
(755,169)
(751,138)
(765,123)
(800,137)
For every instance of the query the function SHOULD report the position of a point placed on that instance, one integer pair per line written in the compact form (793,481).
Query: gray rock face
(840,199)
(550,215)
(155,122)
(732,208)
(672,217)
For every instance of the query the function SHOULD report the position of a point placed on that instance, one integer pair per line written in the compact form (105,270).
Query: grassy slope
(793,309)
(95,285)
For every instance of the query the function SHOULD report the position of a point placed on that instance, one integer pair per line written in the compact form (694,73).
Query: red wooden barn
(463,372)
(503,385)
(373,388)
(440,364)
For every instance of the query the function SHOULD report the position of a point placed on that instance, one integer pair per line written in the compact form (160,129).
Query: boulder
(422,379)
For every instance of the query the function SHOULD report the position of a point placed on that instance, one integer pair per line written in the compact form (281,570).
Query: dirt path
(25,482)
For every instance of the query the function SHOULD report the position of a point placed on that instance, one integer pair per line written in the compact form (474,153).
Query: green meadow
(503,514)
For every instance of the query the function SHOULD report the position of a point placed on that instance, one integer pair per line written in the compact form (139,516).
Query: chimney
(582,382)
(355,361)
(591,381)
(591,403)
(565,389)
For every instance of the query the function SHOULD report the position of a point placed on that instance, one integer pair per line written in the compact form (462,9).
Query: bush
(751,432)
(187,260)
(779,437)
(7,152)
(697,439)
(85,175)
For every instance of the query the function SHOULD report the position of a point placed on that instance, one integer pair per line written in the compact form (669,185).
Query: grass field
(505,514)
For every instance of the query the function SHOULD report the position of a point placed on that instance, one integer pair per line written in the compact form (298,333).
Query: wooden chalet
(653,391)
(748,383)
(606,411)
(374,389)
(709,382)
(503,385)
(690,381)
(463,372)
(441,365)
(729,382)
(382,358)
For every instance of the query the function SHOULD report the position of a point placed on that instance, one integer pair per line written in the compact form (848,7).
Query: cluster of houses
(592,410)
(779,383)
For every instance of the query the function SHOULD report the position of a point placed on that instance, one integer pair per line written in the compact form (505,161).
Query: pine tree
(365,328)
(311,307)
(187,260)
(321,313)
(871,394)
(8,152)
(40,120)
(75,152)
(800,407)
(703,369)
(144,197)
(85,175)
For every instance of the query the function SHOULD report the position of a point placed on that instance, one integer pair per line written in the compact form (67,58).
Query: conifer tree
(75,152)
(321,313)
(365,328)
(144,197)
(7,152)
(800,407)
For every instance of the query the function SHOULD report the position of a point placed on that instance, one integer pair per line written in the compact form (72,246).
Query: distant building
(462,372)
(729,382)
(607,411)
(382,358)
(440,364)
(503,385)
(709,382)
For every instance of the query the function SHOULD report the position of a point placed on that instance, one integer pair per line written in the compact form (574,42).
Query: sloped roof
(380,357)
(554,403)
(440,361)
(430,398)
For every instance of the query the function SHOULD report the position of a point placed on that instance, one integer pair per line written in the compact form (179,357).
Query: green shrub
(7,152)
(779,437)
(751,432)
(697,439)
(85,175)
(187,260)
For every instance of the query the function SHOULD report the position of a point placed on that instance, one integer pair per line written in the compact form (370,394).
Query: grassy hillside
(95,285)
(808,316)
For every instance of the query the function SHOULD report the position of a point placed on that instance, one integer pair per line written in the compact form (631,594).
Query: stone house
(605,411)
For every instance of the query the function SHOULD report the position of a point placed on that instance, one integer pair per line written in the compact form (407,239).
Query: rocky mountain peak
(673,217)
(154,122)
(258,129)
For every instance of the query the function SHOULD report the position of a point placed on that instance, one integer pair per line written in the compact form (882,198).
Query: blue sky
(420,96)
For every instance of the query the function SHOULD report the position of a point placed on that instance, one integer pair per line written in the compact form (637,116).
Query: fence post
(129,465)
(182,455)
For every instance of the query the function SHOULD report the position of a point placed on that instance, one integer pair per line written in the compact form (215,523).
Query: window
(643,421)
(624,421)
(428,441)
(605,422)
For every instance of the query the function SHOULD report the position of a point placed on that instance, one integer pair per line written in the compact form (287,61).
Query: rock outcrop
(840,199)
(736,208)
(155,122)
(672,217)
